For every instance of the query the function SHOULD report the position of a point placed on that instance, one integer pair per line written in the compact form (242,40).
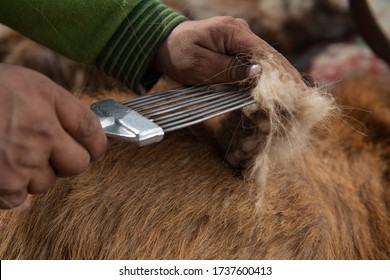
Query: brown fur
(178,200)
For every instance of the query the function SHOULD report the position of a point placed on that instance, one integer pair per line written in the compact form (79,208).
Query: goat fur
(324,194)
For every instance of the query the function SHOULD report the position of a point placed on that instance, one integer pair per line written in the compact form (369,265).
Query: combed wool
(280,122)
(291,109)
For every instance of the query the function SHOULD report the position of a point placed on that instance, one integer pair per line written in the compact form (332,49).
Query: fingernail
(252,71)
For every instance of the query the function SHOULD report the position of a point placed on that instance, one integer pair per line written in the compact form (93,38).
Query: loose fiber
(281,121)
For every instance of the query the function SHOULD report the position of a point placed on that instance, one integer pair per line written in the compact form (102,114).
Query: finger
(243,23)
(230,69)
(42,180)
(235,71)
(82,125)
(68,157)
(252,71)
(246,42)
(12,199)
(232,36)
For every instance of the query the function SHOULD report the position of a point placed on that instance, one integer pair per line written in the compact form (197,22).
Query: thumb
(230,69)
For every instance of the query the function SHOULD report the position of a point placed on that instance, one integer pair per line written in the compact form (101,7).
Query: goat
(180,199)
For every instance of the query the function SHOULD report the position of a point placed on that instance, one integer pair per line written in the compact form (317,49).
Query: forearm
(119,37)
(128,53)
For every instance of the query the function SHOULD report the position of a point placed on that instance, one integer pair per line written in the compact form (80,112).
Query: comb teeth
(182,107)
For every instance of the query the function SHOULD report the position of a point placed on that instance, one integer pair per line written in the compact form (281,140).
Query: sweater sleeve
(120,37)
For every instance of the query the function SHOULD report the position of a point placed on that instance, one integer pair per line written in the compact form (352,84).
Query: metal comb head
(145,119)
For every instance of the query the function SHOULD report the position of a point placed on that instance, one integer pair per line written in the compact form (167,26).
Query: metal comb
(145,120)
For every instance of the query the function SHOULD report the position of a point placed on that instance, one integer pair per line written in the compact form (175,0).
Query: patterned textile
(332,62)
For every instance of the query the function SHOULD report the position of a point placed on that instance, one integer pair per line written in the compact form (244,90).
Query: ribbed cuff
(128,53)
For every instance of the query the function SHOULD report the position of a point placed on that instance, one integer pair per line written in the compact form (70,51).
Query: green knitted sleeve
(118,36)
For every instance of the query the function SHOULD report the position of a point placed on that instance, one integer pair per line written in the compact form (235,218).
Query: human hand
(205,51)
(214,50)
(45,133)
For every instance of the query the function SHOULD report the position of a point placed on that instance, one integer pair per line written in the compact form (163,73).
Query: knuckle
(24,158)
(41,130)
(89,126)
(41,86)
(41,187)
(78,165)
(91,136)
(46,129)
(101,148)
(216,33)
(242,22)
(85,160)
(227,19)
(30,160)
